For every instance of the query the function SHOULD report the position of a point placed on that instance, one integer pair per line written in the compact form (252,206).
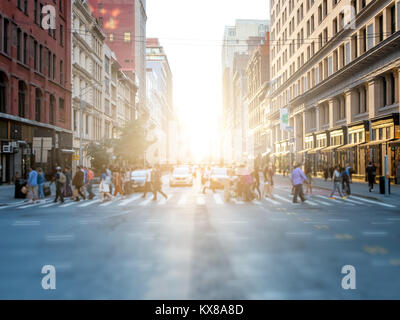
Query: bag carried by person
(46,190)
(62,178)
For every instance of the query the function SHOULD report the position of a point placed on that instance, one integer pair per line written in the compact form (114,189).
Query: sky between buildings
(191,32)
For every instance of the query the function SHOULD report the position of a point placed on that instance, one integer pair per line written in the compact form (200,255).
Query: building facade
(103,96)
(124,24)
(236,41)
(161,107)
(35,87)
(257,98)
(335,68)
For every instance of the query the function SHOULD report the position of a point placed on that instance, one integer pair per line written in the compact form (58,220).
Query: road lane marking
(237,201)
(30,205)
(354,201)
(282,198)
(375,202)
(298,233)
(272,201)
(200,201)
(23,223)
(323,202)
(218,200)
(375,250)
(344,236)
(344,200)
(88,203)
(48,205)
(145,202)
(339,220)
(108,203)
(164,201)
(68,204)
(374,233)
(128,201)
(311,202)
(61,237)
(20,203)
(182,200)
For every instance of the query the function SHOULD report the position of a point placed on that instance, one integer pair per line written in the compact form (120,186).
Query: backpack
(62,178)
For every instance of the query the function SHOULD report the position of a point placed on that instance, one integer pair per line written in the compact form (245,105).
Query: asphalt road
(196,246)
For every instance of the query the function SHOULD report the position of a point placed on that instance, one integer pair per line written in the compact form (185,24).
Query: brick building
(35,88)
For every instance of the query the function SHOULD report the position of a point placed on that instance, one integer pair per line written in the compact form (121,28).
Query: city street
(195,246)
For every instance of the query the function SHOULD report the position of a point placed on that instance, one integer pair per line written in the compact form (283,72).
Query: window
(5,35)
(40,58)
(41,15)
(392,19)
(3,91)
(52,109)
(61,35)
(35,11)
(127,37)
(25,54)
(38,104)
(75,120)
(35,57)
(48,63)
(335,26)
(347,59)
(380,28)
(54,67)
(61,72)
(330,66)
(319,14)
(62,109)
(87,124)
(19,51)
(111,37)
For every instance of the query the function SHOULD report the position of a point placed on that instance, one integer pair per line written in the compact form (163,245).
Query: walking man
(336,183)
(298,178)
(77,182)
(32,185)
(157,183)
(346,179)
(60,180)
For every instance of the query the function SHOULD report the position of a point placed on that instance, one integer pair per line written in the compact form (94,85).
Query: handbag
(46,190)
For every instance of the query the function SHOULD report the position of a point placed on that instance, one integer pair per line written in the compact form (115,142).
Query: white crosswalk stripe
(164,201)
(130,200)
(30,205)
(282,198)
(68,204)
(272,201)
(344,200)
(182,200)
(88,203)
(322,202)
(240,202)
(48,205)
(200,201)
(375,202)
(108,203)
(145,202)
(218,199)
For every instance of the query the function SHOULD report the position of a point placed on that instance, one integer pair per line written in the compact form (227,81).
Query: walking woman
(118,184)
(68,188)
(78,183)
(336,183)
(104,189)
(41,180)
(309,178)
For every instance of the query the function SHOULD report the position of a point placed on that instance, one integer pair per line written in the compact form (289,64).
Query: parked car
(217,177)
(181,176)
(138,180)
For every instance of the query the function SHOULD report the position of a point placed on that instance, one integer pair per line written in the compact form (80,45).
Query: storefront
(384,131)
(319,159)
(337,138)
(395,160)
(282,156)
(352,153)
(307,158)
(18,154)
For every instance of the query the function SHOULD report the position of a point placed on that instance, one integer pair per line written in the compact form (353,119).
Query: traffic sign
(76,157)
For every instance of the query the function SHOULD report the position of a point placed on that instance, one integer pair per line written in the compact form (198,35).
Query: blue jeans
(41,191)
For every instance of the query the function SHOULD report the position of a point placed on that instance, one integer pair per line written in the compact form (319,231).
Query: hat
(58,168)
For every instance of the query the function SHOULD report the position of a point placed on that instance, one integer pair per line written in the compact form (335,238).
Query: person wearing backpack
(60,180)
(157,183)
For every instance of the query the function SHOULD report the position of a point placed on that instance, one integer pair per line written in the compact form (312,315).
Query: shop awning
(395,142)
(376,142)
(67,151)
(349,146)
(314,151)
(304,151)
(331,148)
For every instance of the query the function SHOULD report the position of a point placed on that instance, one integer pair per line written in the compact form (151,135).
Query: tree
(133,141)
(98,154)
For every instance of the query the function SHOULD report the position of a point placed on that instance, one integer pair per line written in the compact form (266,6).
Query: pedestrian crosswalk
(197,199)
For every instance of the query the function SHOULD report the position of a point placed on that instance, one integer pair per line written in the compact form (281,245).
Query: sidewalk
(357,189)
